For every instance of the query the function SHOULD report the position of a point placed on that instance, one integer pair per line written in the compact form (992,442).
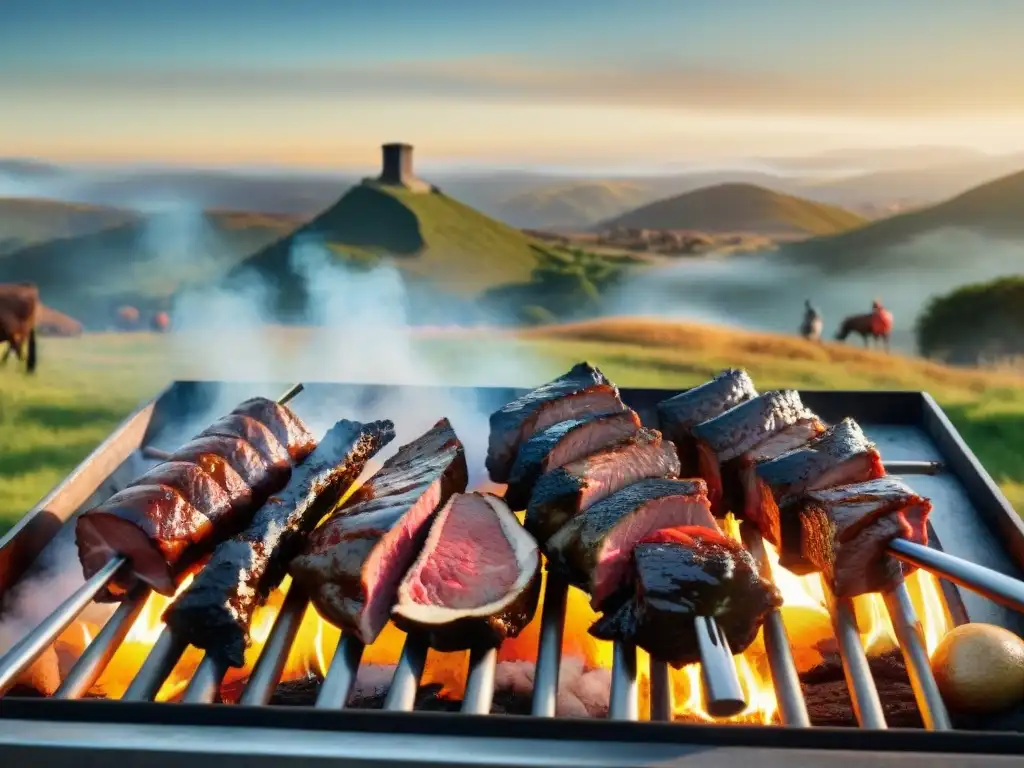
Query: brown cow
(19,311)
(127,318)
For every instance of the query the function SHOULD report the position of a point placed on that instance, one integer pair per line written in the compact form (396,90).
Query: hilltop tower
(397,169)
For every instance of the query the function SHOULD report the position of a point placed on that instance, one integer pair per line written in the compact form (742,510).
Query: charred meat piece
(236,466)
(678,415)
(561,443)
(564,492)
(216,610)
(352,564)
(282,423)
(153,526)
(477,580)
(757,430)
(843,533)
(840,455)
(584,389)
(592,550)
(678,574)
(276,455)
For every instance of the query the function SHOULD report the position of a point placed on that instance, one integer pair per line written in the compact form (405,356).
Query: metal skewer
(661,692)
(155,669)
(622,703)
(267,672)
(913,467)
(22,655)
(402,693)
(723,695)
(479,695)
(341,676)
(863,693)
(549,650)
(205,683)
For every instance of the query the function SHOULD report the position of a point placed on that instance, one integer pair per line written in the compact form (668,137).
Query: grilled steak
(759,429)
(216,610)
(584,389)
(352,564)
(680,573)
(236,466)
(282,423)
(561,443)
(477,580)
(839,456)
(843,533)
(274,453)
(592,550)
(564,492)
(677,416)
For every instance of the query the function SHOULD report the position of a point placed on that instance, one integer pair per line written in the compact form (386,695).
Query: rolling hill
(740,208)
(432,238)
(994,210)
(574,205)
(26,221)
(140,262)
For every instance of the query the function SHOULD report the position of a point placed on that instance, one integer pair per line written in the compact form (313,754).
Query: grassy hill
(975,323)
(140,262)
(432,238)
(995,210)
(85,386)
(25,221)
(574,205)
(740,208)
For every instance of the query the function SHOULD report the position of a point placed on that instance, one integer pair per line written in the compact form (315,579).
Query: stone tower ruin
(397,168)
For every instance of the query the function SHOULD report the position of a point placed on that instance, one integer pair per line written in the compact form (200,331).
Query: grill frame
(910,422)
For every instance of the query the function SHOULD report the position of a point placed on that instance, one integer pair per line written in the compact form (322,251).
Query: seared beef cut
(757,430)
(282,423)
(584,389)
(276,455)
(838,456)
(352,564)
(477,580)
(592,550)
(214,613)
(843,533)
(566,491)
(678,574)
(561,443)
(678,415)
(236,466)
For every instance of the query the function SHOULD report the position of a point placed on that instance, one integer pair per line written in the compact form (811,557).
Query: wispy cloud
(669,85)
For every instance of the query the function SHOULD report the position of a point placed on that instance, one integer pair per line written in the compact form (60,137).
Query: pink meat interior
(471,563)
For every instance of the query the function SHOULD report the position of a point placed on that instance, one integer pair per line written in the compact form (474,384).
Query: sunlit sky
(509,83)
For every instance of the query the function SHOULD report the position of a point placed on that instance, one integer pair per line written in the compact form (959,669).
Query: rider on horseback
(881,319)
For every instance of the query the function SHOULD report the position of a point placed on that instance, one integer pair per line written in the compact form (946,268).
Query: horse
(19,311)
(812,325)
(870,326)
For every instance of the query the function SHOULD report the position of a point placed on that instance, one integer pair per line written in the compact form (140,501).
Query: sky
(503,83)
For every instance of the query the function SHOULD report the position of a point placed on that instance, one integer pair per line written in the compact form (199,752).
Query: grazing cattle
(812,325)
(161,322)
(874,326)
(19,311)
(127,318)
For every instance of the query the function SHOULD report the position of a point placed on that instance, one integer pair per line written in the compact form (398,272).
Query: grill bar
(402,693)
(341,676)
(268,668)
(919,670)
(549,652)
(785,678)
(28,649)
(723,694)
(661,692)
(205,683)
(863,693)
(155,669)
(479,695)
(623,704)
(94,659)
(994,585)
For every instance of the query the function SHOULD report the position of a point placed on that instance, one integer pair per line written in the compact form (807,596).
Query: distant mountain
(432,238)
(740,208)
(993,210)
(25,221)
(574,205)
(142,261)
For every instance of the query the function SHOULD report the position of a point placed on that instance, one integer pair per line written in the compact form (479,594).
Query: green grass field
(85,386)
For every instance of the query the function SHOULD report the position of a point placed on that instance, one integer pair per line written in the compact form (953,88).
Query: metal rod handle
(723,694)
(549,647)
(155,669)
(863,693)
(992,584)
(341,676)
(402,693)
(24,653)
(623,704)
(479,694)
(911,639)
(95,659)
